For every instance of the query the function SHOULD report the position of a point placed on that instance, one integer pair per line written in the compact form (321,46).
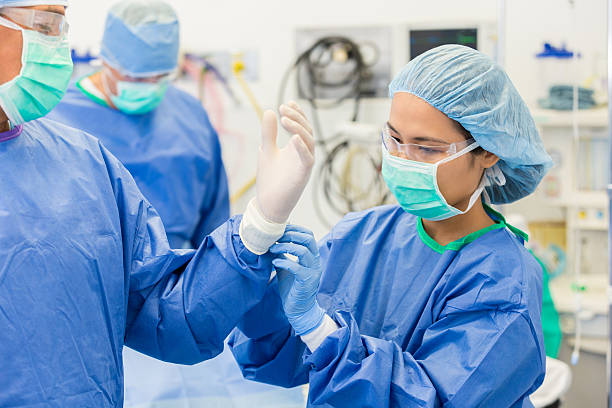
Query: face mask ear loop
(477,193)
(478,190)
(106,87)
(495,176)
(487,198)
(9,24)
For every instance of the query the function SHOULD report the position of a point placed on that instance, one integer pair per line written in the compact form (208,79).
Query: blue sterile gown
(421,325)
(85,267)
(174,155)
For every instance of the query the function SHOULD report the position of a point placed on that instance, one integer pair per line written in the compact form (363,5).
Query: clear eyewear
(157,79)
(421,153)
(44,22)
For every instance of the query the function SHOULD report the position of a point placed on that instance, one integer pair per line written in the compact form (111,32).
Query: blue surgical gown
(421,325)
(172,152)
(174,155)
(85,267)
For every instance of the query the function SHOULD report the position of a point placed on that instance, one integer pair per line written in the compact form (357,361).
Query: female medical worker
(432,303)
(85,265)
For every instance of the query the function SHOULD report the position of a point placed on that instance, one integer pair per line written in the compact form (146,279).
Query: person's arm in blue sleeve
(265,345)
(467,359)
(215,206)
(181,303)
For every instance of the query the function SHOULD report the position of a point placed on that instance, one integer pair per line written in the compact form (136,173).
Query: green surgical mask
(415,185)
(137,98)
(46,68)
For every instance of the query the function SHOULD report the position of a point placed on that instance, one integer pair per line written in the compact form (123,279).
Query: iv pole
(609,354)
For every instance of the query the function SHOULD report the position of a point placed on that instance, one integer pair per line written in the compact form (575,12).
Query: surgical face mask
(415,185)
(136,98)
(46,68)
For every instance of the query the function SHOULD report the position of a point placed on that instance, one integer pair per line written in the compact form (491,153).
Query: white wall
(268,27)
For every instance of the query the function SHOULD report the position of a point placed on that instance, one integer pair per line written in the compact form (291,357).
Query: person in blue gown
(85,263)
(163,136)
(434,302)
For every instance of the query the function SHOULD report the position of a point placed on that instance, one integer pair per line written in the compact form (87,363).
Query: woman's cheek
(454,180)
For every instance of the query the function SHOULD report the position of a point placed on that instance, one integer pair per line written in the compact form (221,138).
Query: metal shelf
(597,117)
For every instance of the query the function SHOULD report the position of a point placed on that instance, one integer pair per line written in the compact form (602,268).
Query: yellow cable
(243,190)
(238,67)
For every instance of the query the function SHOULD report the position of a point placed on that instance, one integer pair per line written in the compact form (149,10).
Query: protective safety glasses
(149,79)
(44,22)
(430,153)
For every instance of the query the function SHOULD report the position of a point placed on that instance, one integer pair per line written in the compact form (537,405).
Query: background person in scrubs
(161,134)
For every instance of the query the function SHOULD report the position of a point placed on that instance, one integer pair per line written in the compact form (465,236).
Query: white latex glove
(282,174)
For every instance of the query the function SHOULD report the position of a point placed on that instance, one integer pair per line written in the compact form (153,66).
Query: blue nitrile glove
(298,281)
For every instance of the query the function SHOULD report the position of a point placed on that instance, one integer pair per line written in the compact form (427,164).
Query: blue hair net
(141,38)
(470,88)
(27,3)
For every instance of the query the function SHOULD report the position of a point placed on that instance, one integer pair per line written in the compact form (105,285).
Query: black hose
(310,66)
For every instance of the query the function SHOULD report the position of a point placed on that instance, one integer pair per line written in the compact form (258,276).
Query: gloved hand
(298,281)
(282,174)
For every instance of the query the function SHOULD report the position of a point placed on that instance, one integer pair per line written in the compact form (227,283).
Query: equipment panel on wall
(481,36)
(342,58)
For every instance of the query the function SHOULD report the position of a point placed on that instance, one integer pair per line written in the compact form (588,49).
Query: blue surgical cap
(27,3)
(141,38)
(470,88)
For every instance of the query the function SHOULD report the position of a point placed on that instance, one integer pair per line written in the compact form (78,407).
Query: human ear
(487,159)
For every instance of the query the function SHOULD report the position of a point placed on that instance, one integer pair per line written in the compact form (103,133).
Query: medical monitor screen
(424,40)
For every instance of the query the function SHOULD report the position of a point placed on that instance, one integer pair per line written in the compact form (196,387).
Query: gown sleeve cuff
(334,346)
(314,339)
(257,233)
